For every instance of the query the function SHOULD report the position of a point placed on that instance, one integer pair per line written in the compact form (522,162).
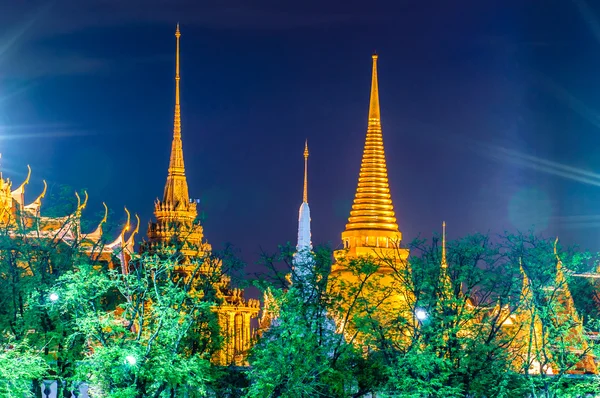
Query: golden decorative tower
(176,225)
(372,227)
(372,232)
(176,214)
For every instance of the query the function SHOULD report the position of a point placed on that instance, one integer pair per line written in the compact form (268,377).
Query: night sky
(490,110)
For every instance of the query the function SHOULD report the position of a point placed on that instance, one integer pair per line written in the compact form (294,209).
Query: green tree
(34,252)
(150,332)
(557,330)
(301,354)
(477,324)
(20,365)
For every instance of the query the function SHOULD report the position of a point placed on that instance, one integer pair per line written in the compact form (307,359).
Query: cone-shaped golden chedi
(176,213)
(372,222)
(372,232)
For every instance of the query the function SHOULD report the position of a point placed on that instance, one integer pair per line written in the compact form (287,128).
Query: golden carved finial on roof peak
(105,213)
(127,225)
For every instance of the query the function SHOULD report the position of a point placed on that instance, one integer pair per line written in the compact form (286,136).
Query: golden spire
(176,189)
(305,192)
(444,263)
(177,118)
(374,113)
(372,208)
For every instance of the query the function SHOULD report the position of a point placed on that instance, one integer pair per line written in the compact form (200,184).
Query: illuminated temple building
(371,232)
(177,225)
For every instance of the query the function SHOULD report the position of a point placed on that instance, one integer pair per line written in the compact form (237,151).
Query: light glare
(421,314)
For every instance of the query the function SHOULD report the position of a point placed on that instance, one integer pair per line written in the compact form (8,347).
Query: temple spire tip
(172,194)
(305,191)
(444,261)
(374,112)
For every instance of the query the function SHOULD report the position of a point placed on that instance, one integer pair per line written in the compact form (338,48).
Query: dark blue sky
(475,96)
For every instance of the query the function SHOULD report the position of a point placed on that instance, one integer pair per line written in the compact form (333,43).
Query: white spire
(304,243)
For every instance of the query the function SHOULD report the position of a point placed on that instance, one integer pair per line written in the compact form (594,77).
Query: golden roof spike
(305,192)
(96,235)
(127,225)
(137,226)
(130,243)
(28,175)
(444,262)
(21,189)
(105,214)
(373,209)
(374,112)
(84,204)
(43,194)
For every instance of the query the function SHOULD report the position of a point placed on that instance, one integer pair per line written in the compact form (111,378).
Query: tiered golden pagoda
(372,229)
(372,232)
(177,226)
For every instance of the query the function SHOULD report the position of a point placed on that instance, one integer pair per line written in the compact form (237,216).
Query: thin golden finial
(305,194)
(81,206)
(374,112)
(444,262)
(177,119)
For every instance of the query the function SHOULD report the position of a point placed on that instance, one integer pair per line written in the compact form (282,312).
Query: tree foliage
(149,333)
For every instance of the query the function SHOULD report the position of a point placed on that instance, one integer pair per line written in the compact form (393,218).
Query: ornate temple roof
(26,220)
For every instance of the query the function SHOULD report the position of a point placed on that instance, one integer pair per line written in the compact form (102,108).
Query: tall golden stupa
(372,233)
(177,226)
(372,229)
